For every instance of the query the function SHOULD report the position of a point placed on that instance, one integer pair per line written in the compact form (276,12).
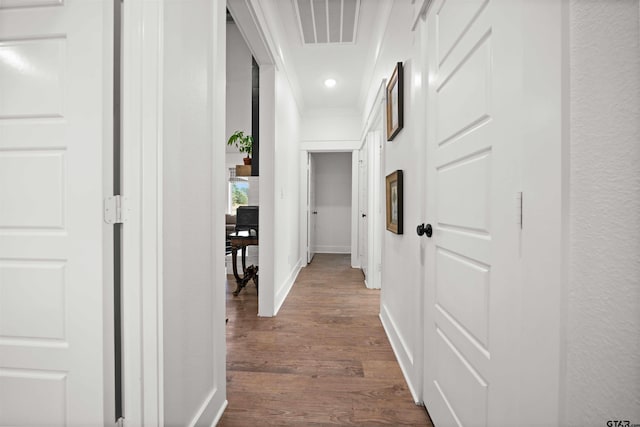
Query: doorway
(330,203)
(371,212)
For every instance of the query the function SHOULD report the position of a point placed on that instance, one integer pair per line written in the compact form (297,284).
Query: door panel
(462,291)
(458,381)
(364,210)
(52,126)
(312,210)
(472,281)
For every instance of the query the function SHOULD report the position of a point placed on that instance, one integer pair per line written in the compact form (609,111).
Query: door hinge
(519,201)
(116,210)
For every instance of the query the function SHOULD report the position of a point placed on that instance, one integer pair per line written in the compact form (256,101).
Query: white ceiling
(350,64)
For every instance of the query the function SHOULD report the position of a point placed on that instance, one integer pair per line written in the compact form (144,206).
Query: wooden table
(240,240)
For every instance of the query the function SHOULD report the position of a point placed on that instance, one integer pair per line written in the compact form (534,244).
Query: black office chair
(247,219)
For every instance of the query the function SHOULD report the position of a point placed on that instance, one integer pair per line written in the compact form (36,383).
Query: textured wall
(603,331)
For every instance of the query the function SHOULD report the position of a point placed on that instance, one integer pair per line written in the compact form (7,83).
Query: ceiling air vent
(328,21)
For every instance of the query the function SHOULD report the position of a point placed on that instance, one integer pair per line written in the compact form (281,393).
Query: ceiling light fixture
(330,83)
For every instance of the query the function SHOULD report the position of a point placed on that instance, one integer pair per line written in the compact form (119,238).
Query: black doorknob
(363,215)
(424,229)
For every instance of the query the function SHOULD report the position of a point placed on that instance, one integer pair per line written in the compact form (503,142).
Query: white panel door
(312,212)
(472,288)
(52,126)
(363,229)
(375,215)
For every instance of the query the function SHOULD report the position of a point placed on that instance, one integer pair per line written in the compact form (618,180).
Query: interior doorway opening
(329,201)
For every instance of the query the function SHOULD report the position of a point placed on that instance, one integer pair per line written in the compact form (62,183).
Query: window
(238,192)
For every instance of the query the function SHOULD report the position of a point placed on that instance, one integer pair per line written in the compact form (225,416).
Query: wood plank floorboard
(323,361)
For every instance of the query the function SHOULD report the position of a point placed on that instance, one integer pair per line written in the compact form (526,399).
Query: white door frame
(142,47)
(545,186)
(374,129)
(310,205)
(142,183)
(308,148)
(251,21)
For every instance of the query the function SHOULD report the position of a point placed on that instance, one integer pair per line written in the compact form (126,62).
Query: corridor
(324,360)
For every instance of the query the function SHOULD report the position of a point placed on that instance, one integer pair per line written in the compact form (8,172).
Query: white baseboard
(402,352)
(208,413)
(281,295)
(333,249)
(218,417)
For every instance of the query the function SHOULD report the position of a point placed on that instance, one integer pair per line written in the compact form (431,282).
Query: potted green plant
(244,143)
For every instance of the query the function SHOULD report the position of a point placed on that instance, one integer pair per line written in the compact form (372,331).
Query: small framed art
(394,202)
(395,101)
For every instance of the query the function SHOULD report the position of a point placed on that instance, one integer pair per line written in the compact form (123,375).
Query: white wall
(401,295)
(287,262)
(238,100)
(396,45)
(334,124)
(193,212)
(332,175)
(603,329)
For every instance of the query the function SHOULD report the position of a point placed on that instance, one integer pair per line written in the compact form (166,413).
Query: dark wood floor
(324,360)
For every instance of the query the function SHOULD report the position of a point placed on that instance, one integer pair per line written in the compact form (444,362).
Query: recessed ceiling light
(330,83)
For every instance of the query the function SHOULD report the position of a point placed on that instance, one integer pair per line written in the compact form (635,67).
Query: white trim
(247,18)
(108,230)
(251,17)
(142,235)
(369,124)
(203,408)
(420,12)
(220,413)
(332,249)
(217,110)
(355,26)
(329,147)
(304,207)
(266,249)
(355,209)
(375,211)
(282,294)
(403,354)
(545,210)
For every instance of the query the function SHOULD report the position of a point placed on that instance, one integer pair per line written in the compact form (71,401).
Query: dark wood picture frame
(395,102)
(394,202)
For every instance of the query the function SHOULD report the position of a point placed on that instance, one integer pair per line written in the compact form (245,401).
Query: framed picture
(394,202)
(395,101)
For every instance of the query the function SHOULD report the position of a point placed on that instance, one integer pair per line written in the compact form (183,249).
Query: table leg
(244,260)
(234,262)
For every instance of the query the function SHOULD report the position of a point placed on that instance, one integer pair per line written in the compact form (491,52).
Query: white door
(472,288)
(54,109)
(312,213)
(376,209)
(363,228)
